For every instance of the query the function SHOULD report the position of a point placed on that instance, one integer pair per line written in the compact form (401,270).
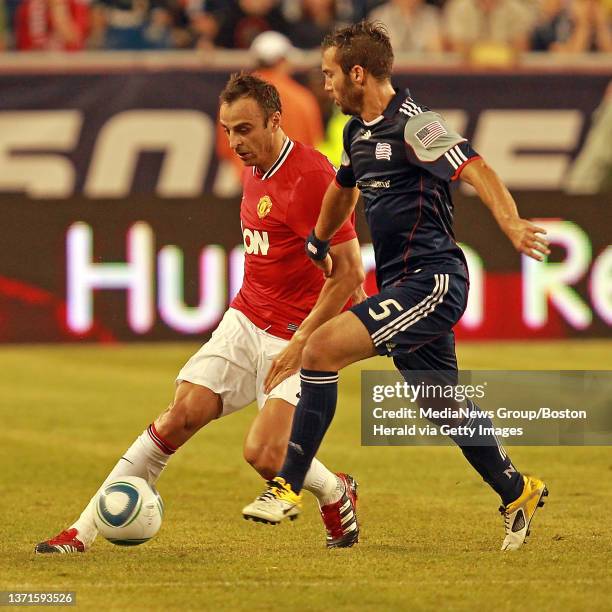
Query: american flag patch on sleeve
(430,133)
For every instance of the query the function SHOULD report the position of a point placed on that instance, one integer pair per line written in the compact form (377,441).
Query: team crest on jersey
(264,207)
(383,151)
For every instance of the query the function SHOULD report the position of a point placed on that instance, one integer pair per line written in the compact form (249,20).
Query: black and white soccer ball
(128,511)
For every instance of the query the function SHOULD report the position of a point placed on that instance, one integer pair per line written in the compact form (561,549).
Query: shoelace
(273,492)
(502,510)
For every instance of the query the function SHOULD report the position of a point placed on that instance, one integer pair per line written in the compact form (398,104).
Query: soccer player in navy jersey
(402,156)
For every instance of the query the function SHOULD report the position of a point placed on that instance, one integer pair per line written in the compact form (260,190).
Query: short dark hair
(363,44)
(245,85)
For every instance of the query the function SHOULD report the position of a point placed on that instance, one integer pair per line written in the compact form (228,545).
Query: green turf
(430,530)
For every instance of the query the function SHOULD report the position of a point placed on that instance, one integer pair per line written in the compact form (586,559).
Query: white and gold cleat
(518,514)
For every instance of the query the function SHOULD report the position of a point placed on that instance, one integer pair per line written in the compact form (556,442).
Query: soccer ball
(129,511)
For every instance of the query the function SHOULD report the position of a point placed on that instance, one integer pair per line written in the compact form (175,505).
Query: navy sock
(489,458)
(313,414)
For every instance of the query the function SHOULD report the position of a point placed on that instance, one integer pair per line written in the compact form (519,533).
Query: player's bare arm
(338,204)
(359,295)
(345,282)
(526,237)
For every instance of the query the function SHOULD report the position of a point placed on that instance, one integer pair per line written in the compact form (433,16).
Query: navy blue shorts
(413,320)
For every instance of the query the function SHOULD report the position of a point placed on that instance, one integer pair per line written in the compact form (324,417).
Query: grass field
(430,528)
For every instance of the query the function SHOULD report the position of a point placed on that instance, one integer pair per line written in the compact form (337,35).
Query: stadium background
(109,185)
(109,176)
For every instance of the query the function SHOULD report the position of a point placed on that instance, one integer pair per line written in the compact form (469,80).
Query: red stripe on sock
(163,446)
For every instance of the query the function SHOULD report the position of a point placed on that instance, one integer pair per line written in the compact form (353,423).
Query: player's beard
(350,99)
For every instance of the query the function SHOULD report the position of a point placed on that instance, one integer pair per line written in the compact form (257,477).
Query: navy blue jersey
(403,163)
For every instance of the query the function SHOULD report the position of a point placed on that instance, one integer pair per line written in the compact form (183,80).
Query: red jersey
(279,209)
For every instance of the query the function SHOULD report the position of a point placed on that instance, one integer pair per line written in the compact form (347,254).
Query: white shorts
(234,364)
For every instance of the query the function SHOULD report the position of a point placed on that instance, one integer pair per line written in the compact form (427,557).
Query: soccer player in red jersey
(282,297)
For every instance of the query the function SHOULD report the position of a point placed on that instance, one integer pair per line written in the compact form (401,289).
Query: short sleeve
(434,146)
(345,176)
(305,207)
(346,232)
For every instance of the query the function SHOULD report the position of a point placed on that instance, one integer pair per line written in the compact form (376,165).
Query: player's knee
(314,356)
(266,460)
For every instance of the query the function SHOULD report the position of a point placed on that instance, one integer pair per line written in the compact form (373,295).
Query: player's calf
(266,459)
(193,407)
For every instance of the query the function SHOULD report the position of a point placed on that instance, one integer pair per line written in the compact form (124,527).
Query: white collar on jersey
(373,122)
(280,160)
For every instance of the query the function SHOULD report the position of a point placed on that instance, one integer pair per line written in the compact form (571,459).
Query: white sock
(145,458)
(323,484)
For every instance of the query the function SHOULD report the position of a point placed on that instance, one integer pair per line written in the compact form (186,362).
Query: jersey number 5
(378,316)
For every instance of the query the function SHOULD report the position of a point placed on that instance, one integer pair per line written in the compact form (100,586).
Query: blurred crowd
(493,29)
